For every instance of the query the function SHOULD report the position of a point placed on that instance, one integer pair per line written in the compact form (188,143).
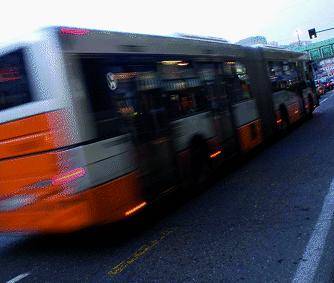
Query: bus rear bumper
(62,216)
(109,202)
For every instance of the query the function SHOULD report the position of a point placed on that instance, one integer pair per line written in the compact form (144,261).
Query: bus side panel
(245,112)
(112,201)
(216,155)
(250,135)
(31,200)
(103,160)
(248,124)
(48,216)
(47,196)
(184,129)
(18,174)
(112,184)
(225,135)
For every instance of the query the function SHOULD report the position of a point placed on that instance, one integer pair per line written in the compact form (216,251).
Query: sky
(233,20)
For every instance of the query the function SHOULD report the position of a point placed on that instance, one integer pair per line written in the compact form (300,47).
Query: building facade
(252,40)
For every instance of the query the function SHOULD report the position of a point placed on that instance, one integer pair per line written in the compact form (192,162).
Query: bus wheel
(311,106)
(199,160)
(285,117)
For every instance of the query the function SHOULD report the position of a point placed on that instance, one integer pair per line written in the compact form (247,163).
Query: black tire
(311,106)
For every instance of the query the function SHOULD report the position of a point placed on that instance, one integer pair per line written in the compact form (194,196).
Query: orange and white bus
(95,125)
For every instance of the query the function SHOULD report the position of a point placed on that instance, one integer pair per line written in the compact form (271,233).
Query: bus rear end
(56,173)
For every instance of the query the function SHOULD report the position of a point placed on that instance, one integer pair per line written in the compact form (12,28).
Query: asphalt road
(269,220)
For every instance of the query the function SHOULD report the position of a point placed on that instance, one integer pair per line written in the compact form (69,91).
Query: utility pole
(299,43)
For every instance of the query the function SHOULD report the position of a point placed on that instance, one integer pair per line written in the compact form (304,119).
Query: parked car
(329,85)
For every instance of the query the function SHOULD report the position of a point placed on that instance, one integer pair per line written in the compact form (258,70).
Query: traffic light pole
(313,33)
(324,30)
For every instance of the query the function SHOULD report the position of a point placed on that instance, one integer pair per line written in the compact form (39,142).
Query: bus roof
(76,40)
(272,53)
(90,41)
(96,41)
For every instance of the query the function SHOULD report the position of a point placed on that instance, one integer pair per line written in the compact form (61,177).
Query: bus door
(191,120)
(213,82)
(287,92)
(245,113)
(157,157)
(130,104)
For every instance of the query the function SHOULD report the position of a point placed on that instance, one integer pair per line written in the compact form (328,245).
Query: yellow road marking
(138,253)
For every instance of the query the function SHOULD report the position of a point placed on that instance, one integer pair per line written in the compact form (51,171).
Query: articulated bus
(96,125)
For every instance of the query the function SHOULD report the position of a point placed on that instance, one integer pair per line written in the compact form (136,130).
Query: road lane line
(138,253)
(18,278)
(311,258)
(323,100)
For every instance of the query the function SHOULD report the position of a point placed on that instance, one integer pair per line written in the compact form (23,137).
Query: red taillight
(74,31)
(9,75)
(68,176)
(2,80)
(279,121)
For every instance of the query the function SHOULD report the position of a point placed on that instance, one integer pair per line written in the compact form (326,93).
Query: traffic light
(312,33)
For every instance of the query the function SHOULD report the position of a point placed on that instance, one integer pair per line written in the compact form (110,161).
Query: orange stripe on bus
(27,144)
(25,126)
(109,202)
(247,139)
(32,134)
(57,216)
(18,173)
(294,112)
(60,212)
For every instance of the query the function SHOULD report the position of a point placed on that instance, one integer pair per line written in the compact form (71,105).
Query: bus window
(122,90)
(14,87)
(183,89)
(153,101)
(244,81)
(213,86)
(237,81)
(284,75)
(103,87)
(129,97)
(276,76)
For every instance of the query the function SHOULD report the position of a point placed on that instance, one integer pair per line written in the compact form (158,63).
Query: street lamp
(297,33)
